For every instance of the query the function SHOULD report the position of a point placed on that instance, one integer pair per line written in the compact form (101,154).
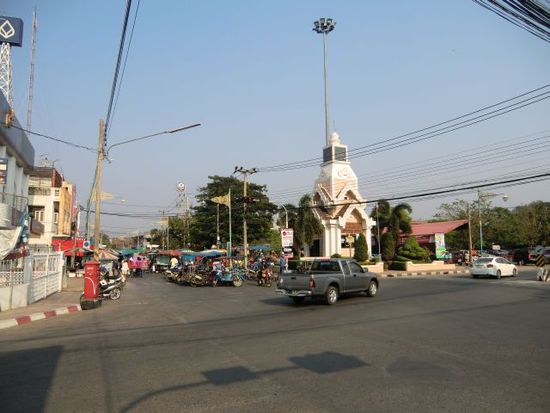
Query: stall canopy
(212,253)
(265,247)
(68,245)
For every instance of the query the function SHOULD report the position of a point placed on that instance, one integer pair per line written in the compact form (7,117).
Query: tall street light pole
(103,153)
(286,216)
(324,26)
(480,196)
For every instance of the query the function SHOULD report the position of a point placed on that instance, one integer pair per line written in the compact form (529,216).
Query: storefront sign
(287,237)
(11,30)
(440,249)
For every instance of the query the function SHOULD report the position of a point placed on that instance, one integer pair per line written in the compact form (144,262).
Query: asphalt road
(423,344)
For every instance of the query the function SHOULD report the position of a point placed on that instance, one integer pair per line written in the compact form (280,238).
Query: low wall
(377,268)
(13,299)
(434,266)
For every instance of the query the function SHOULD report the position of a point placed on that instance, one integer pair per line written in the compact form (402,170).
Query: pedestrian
(282,263)
(124,270)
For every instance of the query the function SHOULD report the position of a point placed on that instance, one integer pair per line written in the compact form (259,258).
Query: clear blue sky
(251,73)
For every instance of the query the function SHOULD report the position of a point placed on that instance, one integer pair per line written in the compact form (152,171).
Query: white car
(493,266)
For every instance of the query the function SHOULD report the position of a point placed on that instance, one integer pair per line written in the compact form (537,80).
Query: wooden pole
(98,190)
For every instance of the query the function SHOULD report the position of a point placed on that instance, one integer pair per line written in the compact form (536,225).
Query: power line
(459,159)
(125,61)
(52,138)
(117,70)
(413,137)
(432,192)
(529,15)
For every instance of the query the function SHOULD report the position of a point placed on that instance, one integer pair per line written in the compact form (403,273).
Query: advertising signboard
(440,249)
(287,237)
(3,170)
(11,30)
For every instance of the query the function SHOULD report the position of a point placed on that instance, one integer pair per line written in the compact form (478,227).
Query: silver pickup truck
(328,278)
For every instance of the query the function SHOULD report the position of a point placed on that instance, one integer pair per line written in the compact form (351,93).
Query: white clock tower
(341,207)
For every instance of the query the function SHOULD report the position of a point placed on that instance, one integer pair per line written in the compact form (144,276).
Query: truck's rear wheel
(331,296)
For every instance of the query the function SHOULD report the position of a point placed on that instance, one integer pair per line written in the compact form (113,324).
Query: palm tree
(307,225)
(400,221)
(395,220)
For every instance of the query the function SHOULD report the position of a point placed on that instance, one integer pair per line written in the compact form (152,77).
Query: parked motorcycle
(109,287)
(265,277)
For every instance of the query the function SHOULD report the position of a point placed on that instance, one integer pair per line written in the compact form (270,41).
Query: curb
(26,319)
(413,274)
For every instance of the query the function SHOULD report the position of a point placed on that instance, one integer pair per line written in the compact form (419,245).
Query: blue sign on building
(11,30)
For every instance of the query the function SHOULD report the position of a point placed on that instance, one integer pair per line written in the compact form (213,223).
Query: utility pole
(245,173)
(470,233)
(162,223)
(100,155)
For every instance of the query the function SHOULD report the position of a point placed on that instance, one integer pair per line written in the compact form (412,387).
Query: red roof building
(424,232)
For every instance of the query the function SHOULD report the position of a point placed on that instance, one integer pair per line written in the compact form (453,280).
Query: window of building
(56,217)
(38,214)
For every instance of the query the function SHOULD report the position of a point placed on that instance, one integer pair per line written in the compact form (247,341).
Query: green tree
(259,214)
(388,247)
(361,248)
(307,226)
(412,251)
(395,221)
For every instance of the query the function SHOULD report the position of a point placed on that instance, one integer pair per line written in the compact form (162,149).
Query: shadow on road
(319,363)
(26,377)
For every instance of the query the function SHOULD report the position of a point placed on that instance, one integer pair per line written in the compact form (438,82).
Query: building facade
(338,203)
(52,202)
(16,165)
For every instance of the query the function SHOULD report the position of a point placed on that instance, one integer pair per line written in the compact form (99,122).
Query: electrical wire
(458,159)
(124,64)
(529,15)
(52,138)
(413,137)
(117,71)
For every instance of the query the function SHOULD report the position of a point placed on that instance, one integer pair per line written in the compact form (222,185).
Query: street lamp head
(324,25)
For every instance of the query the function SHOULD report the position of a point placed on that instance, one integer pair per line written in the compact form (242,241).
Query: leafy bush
(411,251)
(335,256)
(398,266)
(388,247)
(361,248)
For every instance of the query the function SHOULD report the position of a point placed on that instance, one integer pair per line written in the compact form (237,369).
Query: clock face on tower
(343,173)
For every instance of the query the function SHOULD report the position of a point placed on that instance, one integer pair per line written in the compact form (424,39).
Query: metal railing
(15,201)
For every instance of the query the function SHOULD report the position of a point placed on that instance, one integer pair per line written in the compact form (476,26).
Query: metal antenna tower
(6,73)
(31,75)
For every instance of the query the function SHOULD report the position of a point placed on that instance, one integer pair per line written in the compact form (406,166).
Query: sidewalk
(64,302)
(393,273)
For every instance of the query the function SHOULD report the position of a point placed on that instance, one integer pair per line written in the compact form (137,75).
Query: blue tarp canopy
(212,253)
(265,247)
